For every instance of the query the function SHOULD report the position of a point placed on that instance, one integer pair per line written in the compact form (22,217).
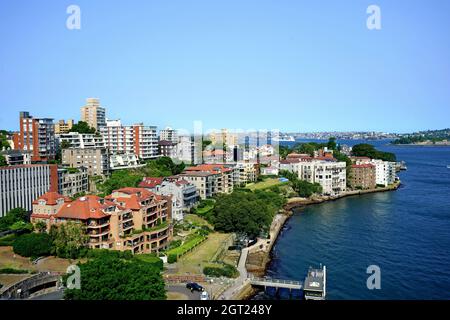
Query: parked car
(204,296)
(193,286)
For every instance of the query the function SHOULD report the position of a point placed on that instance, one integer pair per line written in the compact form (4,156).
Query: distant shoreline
(419,145)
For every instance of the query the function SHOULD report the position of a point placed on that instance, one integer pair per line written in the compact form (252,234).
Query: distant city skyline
(296,66)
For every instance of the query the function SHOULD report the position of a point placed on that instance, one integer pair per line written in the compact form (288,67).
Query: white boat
(315,285)
(448,167)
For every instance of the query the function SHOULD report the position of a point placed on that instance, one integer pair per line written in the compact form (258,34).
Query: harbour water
(405,232)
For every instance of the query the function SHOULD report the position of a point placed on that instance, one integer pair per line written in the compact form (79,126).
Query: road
(181,288)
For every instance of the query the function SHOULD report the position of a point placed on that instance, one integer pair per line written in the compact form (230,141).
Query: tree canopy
(161,167)
(303,188)
(12,217)
(69,240)
(368,150)
(249,213)
(33,245)
(111,276)
(82,127)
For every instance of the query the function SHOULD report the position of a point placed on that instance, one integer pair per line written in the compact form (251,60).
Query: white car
(204,296)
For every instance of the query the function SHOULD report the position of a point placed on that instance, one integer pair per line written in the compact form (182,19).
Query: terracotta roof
(150,182)
(211,168)
(181,182)
(298,155)
(83,208)
(51,198)
(134,199)
(40,216)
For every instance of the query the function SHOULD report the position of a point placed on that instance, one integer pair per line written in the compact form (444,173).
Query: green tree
(13,216)
(65,144)
(40,226)
(82,127)
(332,144)
(3,162)
(368,150)
(249,213)
(70,240)
(113,278)
(33,245)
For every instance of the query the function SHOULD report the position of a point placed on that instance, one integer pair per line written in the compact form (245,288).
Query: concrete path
(240,281)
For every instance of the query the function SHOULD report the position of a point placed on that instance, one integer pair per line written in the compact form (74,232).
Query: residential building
(130,219)
(223,138)
(184,194)
(124,161)
(185,150)
(329,173)
(168,134)
(95,160)
(363,176)
(72,181)
(211,179)
(248,172)
(17,157)
(385,172)
(81,140)
(63,127)
(205,182)
(21,184)
(46,206)
(93,114)
(269,171)
(167,148)
(36,135)
(137,139)
(150,212)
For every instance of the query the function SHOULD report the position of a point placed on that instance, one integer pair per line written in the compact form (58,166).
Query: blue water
(405,232)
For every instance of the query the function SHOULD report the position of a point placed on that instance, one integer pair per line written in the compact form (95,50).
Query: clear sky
(291,65)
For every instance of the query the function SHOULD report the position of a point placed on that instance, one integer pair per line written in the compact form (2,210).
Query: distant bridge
(276,283)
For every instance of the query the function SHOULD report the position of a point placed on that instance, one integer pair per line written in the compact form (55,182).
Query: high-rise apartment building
(95,160)
(63,127)
(21,184)
(168,134)
(36,135)
(93,114)
(138,139)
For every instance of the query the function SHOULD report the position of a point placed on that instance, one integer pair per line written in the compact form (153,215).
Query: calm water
(405,232)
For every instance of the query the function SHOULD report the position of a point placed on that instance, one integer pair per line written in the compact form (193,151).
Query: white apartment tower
(137,139)
(168,134)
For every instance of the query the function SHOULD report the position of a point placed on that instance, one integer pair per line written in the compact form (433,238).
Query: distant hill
(425,137)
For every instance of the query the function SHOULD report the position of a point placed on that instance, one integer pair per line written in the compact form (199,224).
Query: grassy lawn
(264,184)
(10,260)
(194,261)
(196,220)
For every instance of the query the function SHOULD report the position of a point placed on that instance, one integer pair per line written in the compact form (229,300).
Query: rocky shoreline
(260,255)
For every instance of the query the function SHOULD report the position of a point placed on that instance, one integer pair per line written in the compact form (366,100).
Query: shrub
(151,259)
(8,240)
(33,245)
(12,271)
(227,270)
(172,258)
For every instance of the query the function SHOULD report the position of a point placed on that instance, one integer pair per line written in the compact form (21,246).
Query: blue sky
(291,65)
